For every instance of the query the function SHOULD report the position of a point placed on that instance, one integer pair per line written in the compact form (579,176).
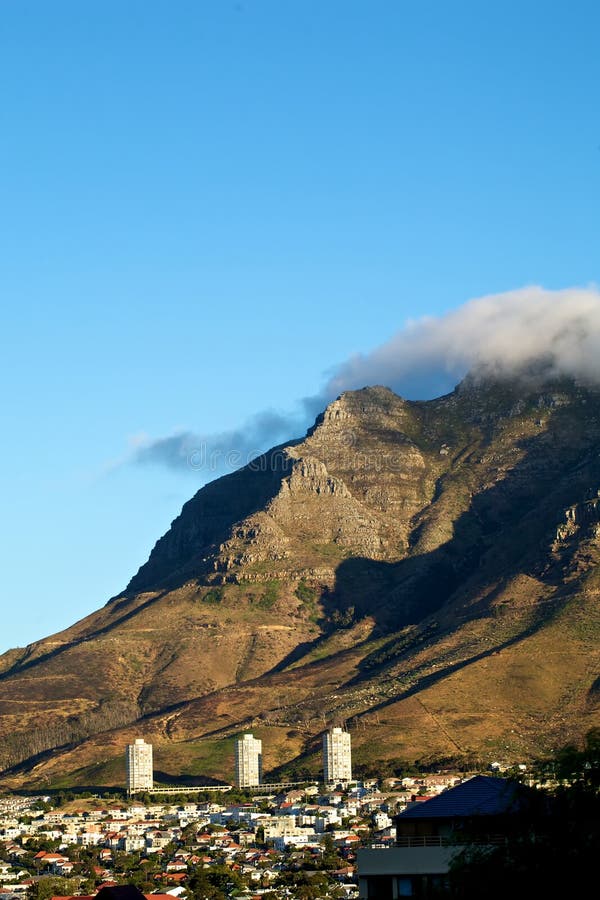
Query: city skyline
(248,762)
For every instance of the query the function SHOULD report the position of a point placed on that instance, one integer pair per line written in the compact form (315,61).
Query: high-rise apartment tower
(337,756)
(138,766)
(248,761)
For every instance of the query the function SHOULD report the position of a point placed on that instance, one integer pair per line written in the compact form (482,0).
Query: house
(171,877)
(111,840)
(100,873)
(64,868)
(89,838)
(50,861)
(132,842)
(176,865)
(157,839)
(431,833)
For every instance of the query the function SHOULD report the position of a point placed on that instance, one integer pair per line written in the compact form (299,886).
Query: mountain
(426,572)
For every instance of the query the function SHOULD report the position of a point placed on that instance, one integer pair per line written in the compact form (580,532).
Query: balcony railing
(424,840)
(437,840)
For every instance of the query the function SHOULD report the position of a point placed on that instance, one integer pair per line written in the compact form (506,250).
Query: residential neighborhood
(301,842)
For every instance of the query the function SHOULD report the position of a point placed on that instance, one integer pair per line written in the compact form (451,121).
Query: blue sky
(205,207)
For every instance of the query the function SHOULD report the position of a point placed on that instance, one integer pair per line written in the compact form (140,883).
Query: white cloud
(501,333)
(497,334)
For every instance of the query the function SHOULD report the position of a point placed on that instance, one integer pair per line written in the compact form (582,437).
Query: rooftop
(481,795)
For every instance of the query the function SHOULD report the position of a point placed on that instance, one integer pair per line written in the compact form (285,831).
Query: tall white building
(337,756)
(248,761)
(138,766)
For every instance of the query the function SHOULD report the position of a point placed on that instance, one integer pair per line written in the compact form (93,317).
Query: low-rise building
(428,836)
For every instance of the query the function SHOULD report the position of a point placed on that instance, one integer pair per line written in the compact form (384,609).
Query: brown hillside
(426,572)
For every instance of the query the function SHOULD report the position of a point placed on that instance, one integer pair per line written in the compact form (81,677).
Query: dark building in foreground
(430,833)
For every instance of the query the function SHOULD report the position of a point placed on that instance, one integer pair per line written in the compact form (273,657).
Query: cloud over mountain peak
(498,334)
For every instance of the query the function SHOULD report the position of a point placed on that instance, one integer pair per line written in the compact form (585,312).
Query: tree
(331,859)
(52,886)
(213,883)
(305,885)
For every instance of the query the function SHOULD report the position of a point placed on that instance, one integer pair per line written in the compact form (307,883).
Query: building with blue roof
(430,833)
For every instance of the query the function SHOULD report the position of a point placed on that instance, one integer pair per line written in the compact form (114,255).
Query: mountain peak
(357,405)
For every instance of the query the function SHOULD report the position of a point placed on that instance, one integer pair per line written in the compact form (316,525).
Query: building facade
(431,833)
(337,756)
(138,766)
(248,761)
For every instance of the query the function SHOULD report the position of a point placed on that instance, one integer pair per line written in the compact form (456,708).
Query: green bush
(271,594)
(305,592)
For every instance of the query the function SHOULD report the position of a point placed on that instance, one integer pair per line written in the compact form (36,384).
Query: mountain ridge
(400,556)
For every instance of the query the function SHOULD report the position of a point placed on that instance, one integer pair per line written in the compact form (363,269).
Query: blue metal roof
(481,795)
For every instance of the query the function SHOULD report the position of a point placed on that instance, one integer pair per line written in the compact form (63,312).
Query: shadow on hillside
(168,779)
(110,793)
(294,655)
(27,764)
(506,528)
(425,681)
(593,697)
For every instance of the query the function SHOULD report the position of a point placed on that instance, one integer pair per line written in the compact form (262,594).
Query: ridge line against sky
(497,334)
(204,205)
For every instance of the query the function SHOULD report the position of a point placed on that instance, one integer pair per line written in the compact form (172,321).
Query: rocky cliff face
(351,486)
(401,557)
